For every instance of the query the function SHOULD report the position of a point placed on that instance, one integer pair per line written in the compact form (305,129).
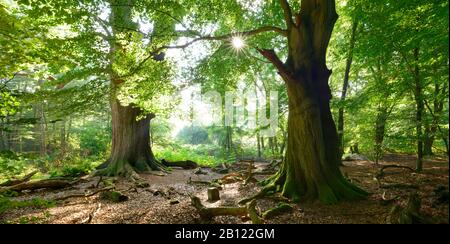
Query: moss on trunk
(131,151)
(311,167)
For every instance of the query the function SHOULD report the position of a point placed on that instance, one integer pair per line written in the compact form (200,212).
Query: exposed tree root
(266,191)
(232,178)
(207,214)
(403,186)
(337,189)
(253,213)
(126,171)
(206,183)
(386,201)
(188,164)
(130,170)
(100,179)
(19,181)
(114,196)
(249,176)
(381,174)
(200,182)
(108,188)
(279,209)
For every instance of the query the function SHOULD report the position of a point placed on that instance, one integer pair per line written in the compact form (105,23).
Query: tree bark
(131,149)
(311,167)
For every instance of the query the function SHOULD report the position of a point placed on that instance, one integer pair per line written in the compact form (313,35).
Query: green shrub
(75,169)
(200,154)
(12,165)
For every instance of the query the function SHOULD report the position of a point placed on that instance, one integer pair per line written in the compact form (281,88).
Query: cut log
(19,181)
(188,164)
(213,194)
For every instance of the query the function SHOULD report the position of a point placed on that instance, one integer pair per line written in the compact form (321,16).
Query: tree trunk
(419,111)
(62,138)
(131,149)
(311,167)
(380,127)
(258,145)
(42,131)
(263,146)
(2,134)
(229,139)
(340,126)
(275,145)
(428,140)
(431,130)
(9,133)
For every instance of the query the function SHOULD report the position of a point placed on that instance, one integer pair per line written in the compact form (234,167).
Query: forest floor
(167,198)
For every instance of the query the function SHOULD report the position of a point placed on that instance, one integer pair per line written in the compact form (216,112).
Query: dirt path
(167,199)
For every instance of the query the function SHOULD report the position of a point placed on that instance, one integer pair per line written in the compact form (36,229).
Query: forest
(224,112)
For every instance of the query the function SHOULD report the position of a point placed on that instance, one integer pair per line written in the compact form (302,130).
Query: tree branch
(5,83)
(209,38)
(287,13)
(275,60)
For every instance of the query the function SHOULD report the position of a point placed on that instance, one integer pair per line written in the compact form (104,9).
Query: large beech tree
(311,166)
(131,149)
(104,42)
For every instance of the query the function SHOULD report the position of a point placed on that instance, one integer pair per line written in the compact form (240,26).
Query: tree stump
(213,194)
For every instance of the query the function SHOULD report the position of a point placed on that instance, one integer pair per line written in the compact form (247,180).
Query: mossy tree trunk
(311,167)
(131,149)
